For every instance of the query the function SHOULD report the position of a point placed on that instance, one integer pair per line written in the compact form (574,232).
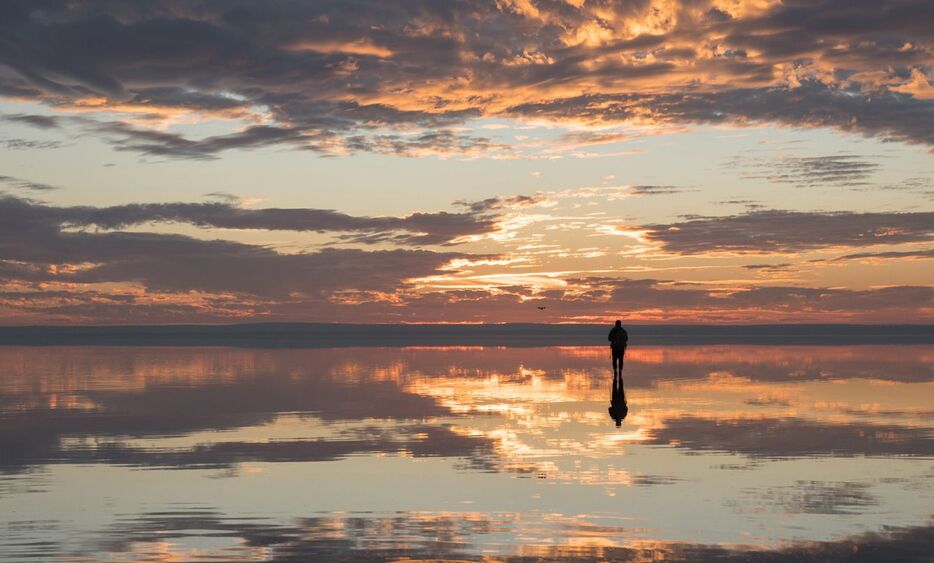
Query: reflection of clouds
(402,440)
(187,391)
(771,437)
(812,497)
(538,415)
(520,410)
(453,535)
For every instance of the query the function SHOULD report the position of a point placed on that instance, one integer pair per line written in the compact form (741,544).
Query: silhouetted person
(618,407)
(618,340)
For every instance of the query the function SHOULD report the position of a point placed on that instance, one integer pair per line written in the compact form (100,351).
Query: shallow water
(168,454)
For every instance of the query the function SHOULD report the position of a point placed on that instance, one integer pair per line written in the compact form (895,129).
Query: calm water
(176,454)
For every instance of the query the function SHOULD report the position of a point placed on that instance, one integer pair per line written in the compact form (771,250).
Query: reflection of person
(618,340)
(618,407)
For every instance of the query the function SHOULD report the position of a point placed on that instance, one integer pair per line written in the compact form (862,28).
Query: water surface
(165,454)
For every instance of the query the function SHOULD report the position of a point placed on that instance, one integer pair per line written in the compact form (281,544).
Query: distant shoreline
(316,335)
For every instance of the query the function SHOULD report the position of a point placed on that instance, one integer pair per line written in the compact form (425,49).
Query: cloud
(777,231)
(39,121)
(21,184)
(659,190)
(812,104)
(415,229)
(333,78)
(15,144)
(926,253)
(837,170)
(667,301)
(768,267)
(649,300)
(35,241)
(503,202)
(588,138)
(440,142)
(357,286)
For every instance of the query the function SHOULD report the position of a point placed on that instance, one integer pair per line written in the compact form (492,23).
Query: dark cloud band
(772,231)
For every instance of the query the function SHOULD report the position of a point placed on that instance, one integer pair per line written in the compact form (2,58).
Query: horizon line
(301,334)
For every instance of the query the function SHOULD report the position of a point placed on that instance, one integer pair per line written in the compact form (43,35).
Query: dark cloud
(440,141)
(837,170)
(33,235)
(887,115)
(667,301)
(830,19)
(646,294)
(416,229)
(768,267)
(125,137)
(926,253)
(162,144)
(790,231)
(293,290)
(333,77)
(502,202)
(39,121)
(21,184)
(748,203)
(15,144)
(659,190)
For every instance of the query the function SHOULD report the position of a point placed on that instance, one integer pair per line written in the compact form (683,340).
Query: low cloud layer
(12,182)
(37,248)
(414,229)
(777,231)
(83,263)
(921,254)
(809,171)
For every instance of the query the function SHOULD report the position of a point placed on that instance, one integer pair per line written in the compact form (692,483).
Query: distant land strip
(317,335)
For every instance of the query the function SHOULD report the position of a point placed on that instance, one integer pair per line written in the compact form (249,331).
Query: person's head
(619,323)
(618,413)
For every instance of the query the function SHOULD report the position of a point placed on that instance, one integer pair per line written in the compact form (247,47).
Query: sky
(655,161)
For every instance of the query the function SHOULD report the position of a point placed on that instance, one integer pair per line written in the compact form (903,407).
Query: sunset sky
(683,161)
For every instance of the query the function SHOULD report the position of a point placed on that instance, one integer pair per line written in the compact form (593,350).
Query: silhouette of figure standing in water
(618,340)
